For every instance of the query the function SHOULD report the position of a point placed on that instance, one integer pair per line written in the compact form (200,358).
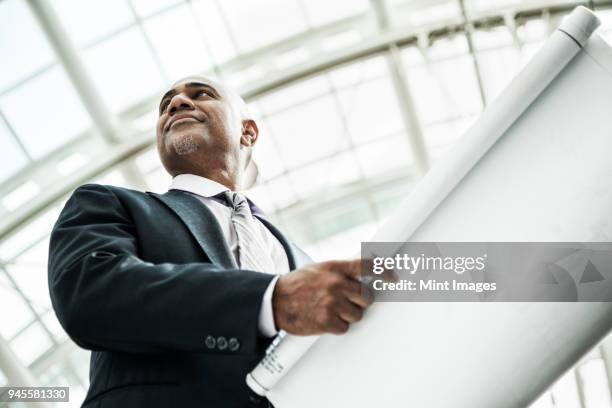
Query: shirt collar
(197,185)
(205,187)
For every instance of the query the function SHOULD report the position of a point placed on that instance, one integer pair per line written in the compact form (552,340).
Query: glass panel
(294,94)
(79,359)
(341,40)
(29,271)
(282,190)
(30,344)
(606,24)
(20,195)
(441,137)
(606,19)
(265,154)
(158,180)
(498,58)
(33,231)
(147,161)
(19,315)
(479,6)
(147,7)
(61,374)
(343,245)
(324,11)
(54,326)
(436,92)
(112,177)
(545,401)
(181,49)
(72,163)
(325,176)
(259,25)
(211,22)
(493,38)
(292,57)
(595,384)
(301,136)
(124,70)
(45,112)
(147,121)
(11,155)
(565,391)
(386,155)
(262,200)
(371,110)
(418,14)
(535,30)
(253,110)
(358,72)
(87,21)
(497,68)
(30,53)
(341,216)
(387,199)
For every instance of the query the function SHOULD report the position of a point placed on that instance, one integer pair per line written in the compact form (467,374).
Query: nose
(180,102)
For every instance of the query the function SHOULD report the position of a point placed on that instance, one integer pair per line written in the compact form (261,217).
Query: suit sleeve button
(210,342)
(221,343)
(234,344)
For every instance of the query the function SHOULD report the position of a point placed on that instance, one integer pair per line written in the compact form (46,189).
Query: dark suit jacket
(146,281)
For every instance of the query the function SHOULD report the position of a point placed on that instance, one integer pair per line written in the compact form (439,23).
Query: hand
(320,298)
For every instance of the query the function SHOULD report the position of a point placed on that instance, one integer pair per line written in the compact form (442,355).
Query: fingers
(350,312)
(338,326)
(358,294)
(357,269)
(350,269)
(350,286)
(389,275)
(367,271)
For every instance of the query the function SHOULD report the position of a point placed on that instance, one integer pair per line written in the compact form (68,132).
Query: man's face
(197,123)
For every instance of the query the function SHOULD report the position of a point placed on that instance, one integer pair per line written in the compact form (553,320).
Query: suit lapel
(202,224)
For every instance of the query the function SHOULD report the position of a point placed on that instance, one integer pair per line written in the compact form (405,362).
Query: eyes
(203,92)
(197,94)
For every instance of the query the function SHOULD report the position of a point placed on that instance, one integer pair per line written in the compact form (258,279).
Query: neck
(224,170)
(223,176)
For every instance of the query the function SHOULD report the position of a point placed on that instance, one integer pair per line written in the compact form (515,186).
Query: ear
(250,133)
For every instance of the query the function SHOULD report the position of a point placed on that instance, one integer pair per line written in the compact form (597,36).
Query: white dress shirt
(204,189)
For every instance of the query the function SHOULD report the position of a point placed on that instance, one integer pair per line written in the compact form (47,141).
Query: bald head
(204,128)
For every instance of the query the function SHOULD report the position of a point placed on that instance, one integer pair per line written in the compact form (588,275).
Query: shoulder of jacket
(109,188)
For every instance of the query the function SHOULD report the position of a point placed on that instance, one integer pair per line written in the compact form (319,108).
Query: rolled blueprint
(563,45)
(414,221)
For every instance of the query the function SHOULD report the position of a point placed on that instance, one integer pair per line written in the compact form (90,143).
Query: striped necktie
(253,254)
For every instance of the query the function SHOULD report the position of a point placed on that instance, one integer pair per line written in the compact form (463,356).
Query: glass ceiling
(334,154)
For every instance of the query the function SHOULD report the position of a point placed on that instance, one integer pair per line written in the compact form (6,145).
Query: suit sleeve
(107,298)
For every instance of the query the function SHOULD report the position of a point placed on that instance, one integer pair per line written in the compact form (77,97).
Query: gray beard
(185,145)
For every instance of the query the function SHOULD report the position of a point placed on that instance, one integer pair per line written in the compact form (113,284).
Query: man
(178,294)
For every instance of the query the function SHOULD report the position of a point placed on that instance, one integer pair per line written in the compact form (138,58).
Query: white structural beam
(410,118)
(605,349)
(16,373)
(469,30)
(68,56)
(111,158)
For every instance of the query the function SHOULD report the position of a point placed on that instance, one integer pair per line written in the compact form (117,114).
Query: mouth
(180,119)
